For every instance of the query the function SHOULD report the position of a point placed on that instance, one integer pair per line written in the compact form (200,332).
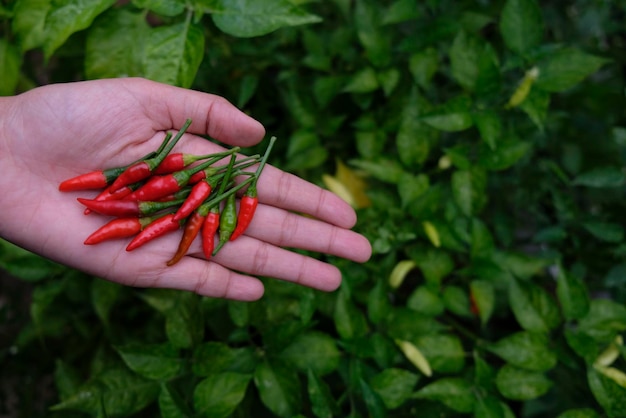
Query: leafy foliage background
(483,144)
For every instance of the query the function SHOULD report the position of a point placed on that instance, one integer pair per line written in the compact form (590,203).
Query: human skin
(55,132)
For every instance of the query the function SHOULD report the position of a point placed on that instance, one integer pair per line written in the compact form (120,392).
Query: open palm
(55,132)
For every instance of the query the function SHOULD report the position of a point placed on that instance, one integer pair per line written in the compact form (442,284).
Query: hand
(55,132)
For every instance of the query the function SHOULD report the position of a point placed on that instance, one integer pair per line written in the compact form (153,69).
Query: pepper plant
(483,145)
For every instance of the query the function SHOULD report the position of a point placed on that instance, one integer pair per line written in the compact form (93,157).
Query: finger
(285,229)
(259,258)
(287,191)
(208,279)
(169,107)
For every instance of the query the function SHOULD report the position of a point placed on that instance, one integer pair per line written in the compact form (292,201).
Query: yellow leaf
(339,189)
(608,356)
(432,233)
(399,272)
(415,356)
(522,91)
(354,183)
(614,374)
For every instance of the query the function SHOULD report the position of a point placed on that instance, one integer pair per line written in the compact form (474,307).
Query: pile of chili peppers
(164,191)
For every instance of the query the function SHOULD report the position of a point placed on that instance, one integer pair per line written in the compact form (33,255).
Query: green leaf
(468,190)
(42,298)
(488,407)
(184,325)
(325,89)
(117,391)
(25,265)
(378,302)
(313,350)
(610,395)
(465,54)
(377,42)
(521,25)
(414,138)
(406,324)
(521,384)
(322,402)
(454,392)
(423,66)
(389,80)
(600,177)
(425,301)
(169,8)
(305,150)
(572,294)
(489,125)
(115,45)
(508,153)
(579,413)
(526,350)
(457,301)
(10,62)
(482,293)
(401,11)
(66,379)
(247,88)
(68,17)
(250,18)
(171,403)
(29,22)
(533,308)
(373,402)
(153,361)
(435,264)
(605,231)
(173,53)
(394,386)
(452,116)
(387,170)
(565,68)
(363,81)
(482,241)
(238,312)
(444,352)
(605,319)
(520,265)
(536,107)
(489,80)
(214,357)
(411,188)
(218,395)
(350,322)
(279,388)
(104,294)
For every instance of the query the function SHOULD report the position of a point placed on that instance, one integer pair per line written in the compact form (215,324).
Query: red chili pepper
(192,229)
(247,207)
(199,193)
(116,195)
(178,161)
(250,201)
(209,229)
(123,208)
(101,178)
(92,180)
(156,229)
(143,169)
(161,186)
(181,194)
(120,228)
